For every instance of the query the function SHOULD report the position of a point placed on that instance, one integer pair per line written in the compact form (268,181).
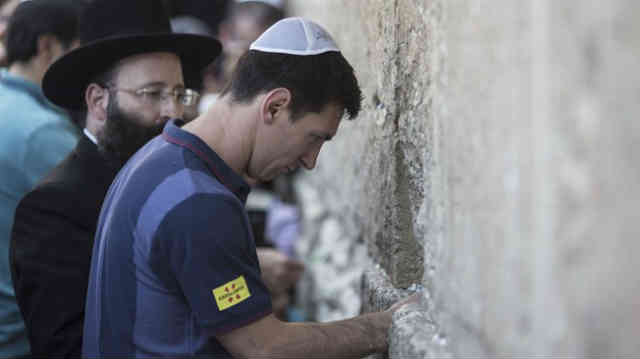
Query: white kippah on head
(295,36)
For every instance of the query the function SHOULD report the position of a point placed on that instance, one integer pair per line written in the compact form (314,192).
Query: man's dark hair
(35,18)
(314,81)
(106,77)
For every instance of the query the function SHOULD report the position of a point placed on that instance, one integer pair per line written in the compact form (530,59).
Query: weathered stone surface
(414,334)
(494,163)
(377,166)
(377,290)
(334,258)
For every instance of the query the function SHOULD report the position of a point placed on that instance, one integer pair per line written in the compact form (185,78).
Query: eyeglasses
(155,96)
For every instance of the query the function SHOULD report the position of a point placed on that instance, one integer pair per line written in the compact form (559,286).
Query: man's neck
(28,71)
(224,128)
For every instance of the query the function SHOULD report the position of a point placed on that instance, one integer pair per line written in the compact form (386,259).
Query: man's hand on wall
(414,298)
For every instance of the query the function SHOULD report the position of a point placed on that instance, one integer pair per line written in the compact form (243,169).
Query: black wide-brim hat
(111,30)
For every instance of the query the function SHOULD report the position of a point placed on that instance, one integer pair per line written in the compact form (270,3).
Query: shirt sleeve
(210,248)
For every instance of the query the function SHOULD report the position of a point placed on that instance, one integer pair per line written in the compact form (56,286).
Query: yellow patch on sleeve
(232,293)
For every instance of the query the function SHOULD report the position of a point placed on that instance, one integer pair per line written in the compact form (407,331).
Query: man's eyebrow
(325,136)
(160,84)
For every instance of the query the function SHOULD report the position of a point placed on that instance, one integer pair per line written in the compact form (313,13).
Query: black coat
(51,247)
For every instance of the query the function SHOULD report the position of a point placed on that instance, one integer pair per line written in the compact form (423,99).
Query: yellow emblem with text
(232,293)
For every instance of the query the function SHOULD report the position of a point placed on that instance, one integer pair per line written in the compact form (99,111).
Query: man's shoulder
(73,186)
(182,198)
(184,185)
(26,125)
(159,181)
(59,183)
(21,104)
(66,175)
(165,171)
(185,182)
(14,98)
(60,195)
(52,206)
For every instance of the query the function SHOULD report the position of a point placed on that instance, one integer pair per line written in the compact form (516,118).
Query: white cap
(295,36)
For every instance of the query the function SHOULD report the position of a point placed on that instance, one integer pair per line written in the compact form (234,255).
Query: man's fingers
(414,298)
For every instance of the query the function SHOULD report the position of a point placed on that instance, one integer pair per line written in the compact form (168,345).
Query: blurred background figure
(209,12)
(35,136)
(201,17)
(245,21)
(6,9)
(275,221)
(189,24)
(236,23)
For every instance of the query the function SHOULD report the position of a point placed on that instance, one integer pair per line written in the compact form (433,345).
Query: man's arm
(210,258)
(270,337)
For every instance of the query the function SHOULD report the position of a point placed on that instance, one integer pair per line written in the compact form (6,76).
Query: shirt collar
(231,180)
(90,135)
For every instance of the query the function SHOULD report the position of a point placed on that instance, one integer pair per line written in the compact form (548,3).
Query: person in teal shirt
(35,135)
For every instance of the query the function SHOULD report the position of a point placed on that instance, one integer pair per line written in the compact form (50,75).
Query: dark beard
(123,134)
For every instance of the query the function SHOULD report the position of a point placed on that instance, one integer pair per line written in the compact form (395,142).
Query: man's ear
(97,99)
(275,103)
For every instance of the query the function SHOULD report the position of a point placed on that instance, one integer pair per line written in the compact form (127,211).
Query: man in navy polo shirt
(174,270)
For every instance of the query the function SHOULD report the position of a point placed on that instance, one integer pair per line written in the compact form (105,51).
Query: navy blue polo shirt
(174,261)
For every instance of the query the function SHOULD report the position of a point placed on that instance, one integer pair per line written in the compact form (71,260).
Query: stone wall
(494,164)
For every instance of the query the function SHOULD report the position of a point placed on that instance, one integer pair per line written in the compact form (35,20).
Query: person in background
(35,135)
(210,12)
(6,9)
(127,77)
(275,221)
(245,21)
(174,270)
(186,24)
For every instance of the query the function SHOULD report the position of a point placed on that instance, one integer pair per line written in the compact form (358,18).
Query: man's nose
(171,108)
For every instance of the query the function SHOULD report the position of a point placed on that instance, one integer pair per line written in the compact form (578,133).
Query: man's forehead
(151,67)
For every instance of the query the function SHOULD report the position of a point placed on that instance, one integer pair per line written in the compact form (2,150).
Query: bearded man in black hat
(129,77)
